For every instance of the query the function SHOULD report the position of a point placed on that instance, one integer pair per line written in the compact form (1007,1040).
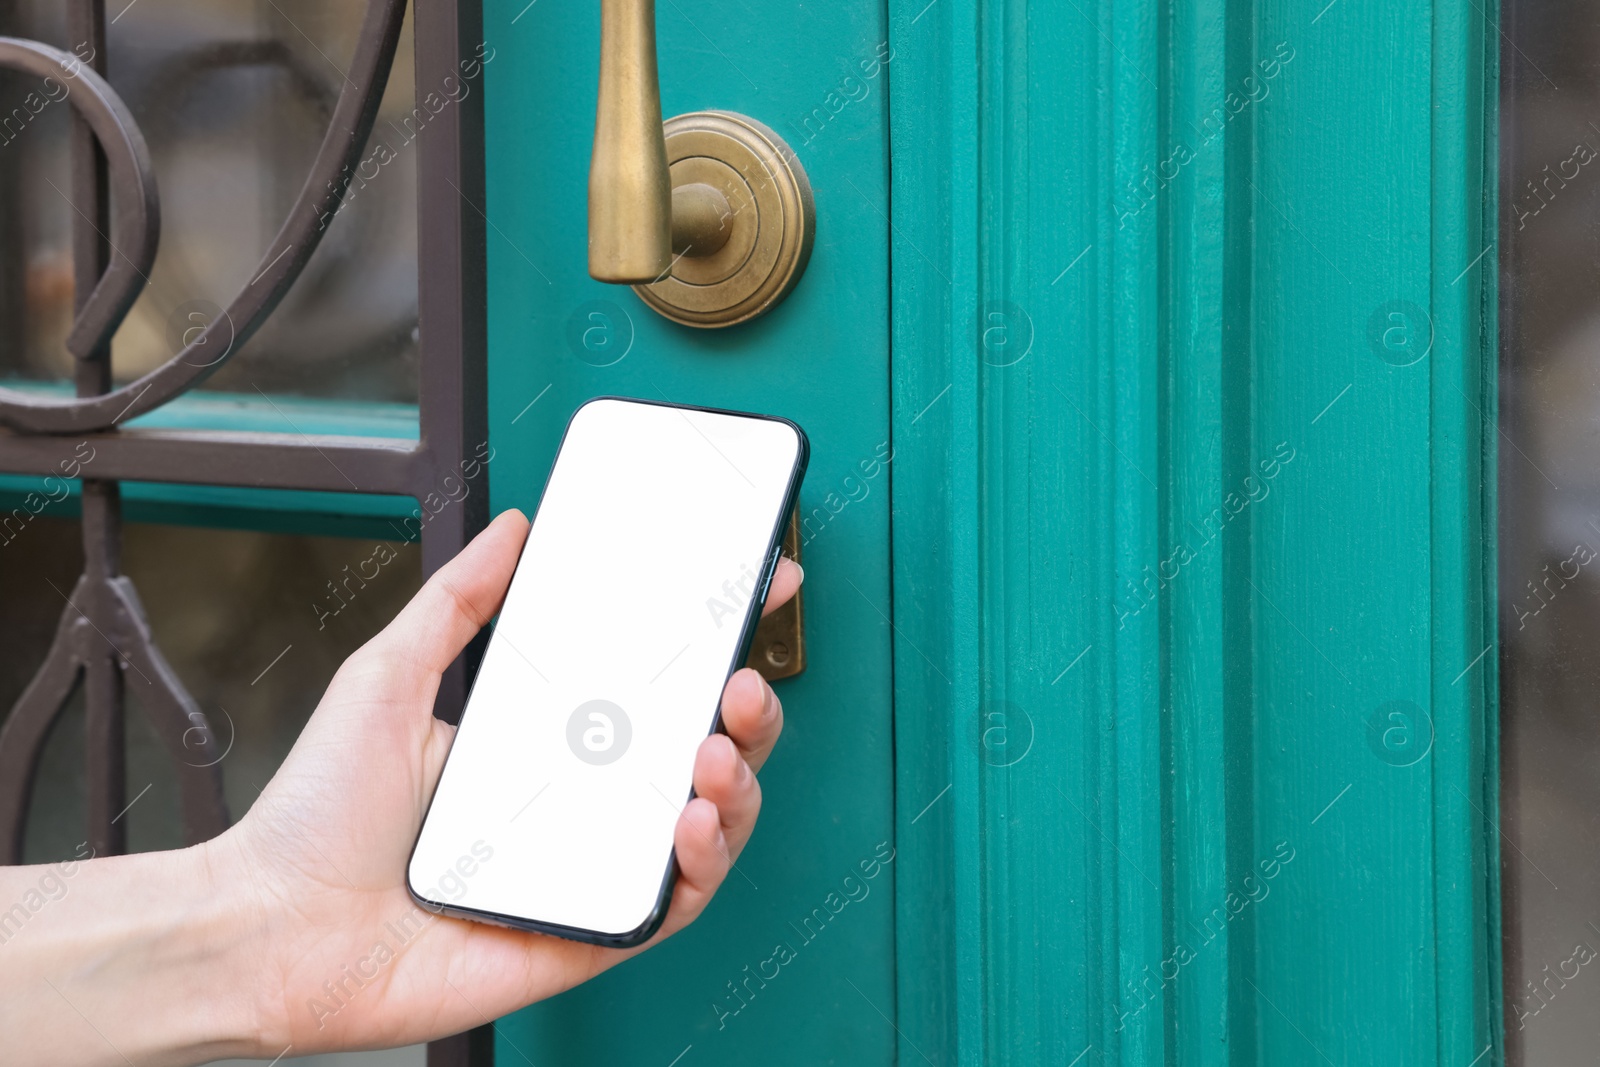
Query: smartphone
(635,597)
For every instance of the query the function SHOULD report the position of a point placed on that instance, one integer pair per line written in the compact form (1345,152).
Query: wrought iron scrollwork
(103,639)
(139,218)
(134,189)
(103,626)
(79,643)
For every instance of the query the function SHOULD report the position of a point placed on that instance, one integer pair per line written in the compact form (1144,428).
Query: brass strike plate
(779,648)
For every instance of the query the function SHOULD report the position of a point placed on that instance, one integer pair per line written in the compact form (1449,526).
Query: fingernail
(799,569)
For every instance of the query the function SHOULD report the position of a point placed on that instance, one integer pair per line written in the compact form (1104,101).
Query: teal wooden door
(1177,319)
(772,973)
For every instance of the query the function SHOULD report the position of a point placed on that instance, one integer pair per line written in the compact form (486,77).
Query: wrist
(232,968)
(198,943)
(142,958)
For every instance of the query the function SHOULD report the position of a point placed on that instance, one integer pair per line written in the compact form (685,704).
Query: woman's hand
(322,854)
(293,932)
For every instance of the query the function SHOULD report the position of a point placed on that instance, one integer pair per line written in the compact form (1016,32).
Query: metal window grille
(103,633)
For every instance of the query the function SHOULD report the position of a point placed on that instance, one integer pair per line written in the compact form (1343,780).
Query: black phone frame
(658,913)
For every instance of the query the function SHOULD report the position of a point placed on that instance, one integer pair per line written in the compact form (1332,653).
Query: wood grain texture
(1193,532)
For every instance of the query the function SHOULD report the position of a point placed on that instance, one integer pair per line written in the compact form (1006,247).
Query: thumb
(457,602)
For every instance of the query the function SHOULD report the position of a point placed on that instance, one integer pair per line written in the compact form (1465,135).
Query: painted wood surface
(1193,309)
(1192,650)
(723,992)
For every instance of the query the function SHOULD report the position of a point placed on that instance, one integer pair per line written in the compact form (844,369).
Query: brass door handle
(709,216)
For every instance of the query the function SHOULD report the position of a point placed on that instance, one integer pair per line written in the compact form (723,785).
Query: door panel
(722,991)
(1201,544)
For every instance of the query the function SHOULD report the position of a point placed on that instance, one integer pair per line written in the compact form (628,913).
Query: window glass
(255,625)
(233,100)
(1549,459)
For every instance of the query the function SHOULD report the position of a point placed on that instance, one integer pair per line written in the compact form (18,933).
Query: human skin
(228,948)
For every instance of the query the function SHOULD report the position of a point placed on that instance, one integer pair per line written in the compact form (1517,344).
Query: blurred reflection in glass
(1549,459)
(233,100)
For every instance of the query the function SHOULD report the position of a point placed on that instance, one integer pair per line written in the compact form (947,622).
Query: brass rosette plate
(772,221)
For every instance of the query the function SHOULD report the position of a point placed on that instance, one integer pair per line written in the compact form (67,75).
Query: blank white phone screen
(576,750)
